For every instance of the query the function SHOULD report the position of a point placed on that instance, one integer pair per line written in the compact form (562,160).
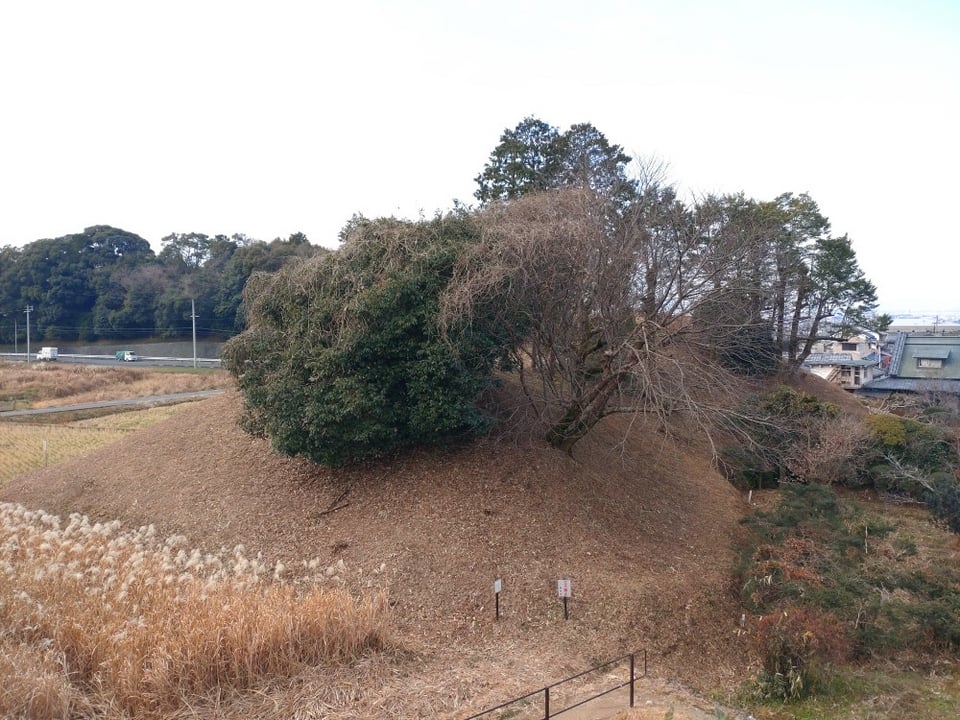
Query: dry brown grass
(26,447)
(644,532)
(96,618)
(45,384)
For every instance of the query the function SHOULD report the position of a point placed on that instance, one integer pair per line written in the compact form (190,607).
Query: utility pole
(193,316)
(28,310)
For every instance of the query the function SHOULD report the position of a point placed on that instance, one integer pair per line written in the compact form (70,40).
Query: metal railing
(545,691)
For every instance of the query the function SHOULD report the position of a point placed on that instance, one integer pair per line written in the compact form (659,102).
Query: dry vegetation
(97,621)
(36,385)
(644,529)
(26,447)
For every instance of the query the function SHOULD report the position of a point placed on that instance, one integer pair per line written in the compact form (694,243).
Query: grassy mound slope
(644,529)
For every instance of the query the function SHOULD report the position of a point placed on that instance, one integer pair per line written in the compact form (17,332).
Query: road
(149,400)
(149,361)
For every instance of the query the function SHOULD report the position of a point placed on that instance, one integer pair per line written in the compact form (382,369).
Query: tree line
(581,273)
(107,283)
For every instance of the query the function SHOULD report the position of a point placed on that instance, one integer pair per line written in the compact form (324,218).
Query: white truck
(47,353)
(126,356)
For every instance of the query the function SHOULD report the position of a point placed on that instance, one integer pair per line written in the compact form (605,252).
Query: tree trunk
(582,414)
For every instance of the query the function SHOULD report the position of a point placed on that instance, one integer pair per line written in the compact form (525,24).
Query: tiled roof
(899,384)
(828,358)
(928,347)
(836,359)
(933,353)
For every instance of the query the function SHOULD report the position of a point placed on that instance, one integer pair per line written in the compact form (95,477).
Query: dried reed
(96,616)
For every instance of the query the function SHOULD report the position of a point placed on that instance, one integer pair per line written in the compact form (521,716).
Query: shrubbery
(343,359)
(943,497)
(906,443)
(915,459)
(797,648)
(797,437)
(783,437)
(814,570)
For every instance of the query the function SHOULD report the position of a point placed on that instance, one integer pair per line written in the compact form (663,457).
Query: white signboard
(497,586)
(564,588)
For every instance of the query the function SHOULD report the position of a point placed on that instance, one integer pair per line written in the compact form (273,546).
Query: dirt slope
(644,530)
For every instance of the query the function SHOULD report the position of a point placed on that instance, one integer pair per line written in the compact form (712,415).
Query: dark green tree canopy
(62,278)
(342,359)
(107,283)
(526,160)
(536,156)
(587,159)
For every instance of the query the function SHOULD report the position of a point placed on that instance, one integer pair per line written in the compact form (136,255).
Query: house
(849,363)
(858,346)
(921,363)
(841,368)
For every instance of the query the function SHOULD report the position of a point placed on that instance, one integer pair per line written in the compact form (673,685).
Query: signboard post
(497,587)
(565,590)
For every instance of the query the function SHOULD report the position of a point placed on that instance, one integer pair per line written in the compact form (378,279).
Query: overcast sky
(268,118)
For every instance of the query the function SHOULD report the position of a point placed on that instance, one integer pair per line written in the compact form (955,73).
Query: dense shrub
(797,647)
(787,403)
(910,443)
(915,459)
(790,435)
(888,430)
(343,359)
(940,416)
(943,498)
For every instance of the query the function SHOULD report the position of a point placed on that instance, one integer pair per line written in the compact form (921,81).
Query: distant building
(948,324)
(841,369)
(921,363)
(848,363)
(929,327)
(857,346)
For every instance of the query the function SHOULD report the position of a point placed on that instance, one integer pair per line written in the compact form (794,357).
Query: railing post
(546,690)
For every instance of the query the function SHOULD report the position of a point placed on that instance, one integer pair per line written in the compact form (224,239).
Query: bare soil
(644,528)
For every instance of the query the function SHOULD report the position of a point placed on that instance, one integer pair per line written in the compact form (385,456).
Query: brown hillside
(644,530)
(827,391)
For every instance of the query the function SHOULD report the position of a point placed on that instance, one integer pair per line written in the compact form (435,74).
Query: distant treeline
(107,283)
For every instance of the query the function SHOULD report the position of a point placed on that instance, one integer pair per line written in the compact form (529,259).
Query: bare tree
(599,305)
(827,450)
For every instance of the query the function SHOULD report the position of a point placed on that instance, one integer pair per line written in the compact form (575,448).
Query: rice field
(98,621)
(26,447)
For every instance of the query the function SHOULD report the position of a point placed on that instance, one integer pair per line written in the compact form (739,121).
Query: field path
(148,400)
